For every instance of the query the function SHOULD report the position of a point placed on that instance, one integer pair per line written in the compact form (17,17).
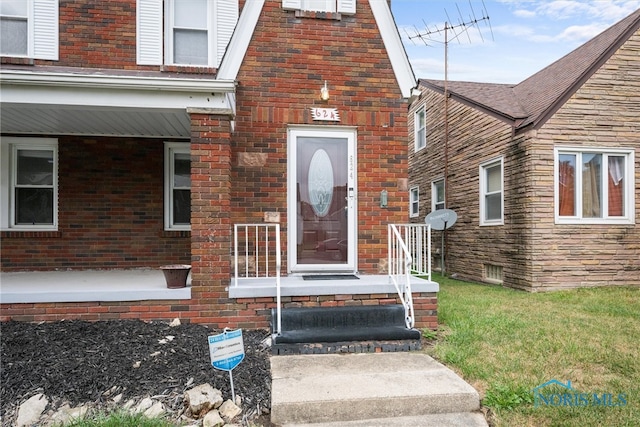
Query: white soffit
(395,48)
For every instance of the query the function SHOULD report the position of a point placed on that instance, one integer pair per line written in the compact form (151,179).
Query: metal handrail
(406,257)
(259,235)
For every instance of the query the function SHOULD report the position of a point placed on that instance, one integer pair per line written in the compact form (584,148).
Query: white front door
(321,199)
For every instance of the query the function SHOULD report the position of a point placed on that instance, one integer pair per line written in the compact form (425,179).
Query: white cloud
(527,14)
(580,33)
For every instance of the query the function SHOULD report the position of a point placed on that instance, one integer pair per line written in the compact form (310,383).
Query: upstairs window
(196,32)
(30,173)
(189,27)
(348,7)
(420,125)
(414,202)
(177,206)
(437,195)
(594,186)
(29,29)
(491,193)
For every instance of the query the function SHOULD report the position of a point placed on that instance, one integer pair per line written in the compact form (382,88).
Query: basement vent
(493,273)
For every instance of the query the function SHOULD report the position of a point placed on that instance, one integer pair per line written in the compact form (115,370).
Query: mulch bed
(80,362)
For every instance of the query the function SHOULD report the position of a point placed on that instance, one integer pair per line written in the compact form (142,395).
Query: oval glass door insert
(320,182)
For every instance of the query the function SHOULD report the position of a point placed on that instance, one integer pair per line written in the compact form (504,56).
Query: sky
(518,38)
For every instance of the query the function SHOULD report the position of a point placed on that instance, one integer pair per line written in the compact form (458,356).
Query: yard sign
(227,351)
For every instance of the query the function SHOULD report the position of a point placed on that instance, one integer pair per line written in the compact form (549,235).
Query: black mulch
(81,362)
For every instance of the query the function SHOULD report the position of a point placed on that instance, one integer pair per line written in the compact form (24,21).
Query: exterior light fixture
(324,92)
(383,199)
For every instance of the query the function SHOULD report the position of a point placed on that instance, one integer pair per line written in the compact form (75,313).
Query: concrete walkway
(370,389)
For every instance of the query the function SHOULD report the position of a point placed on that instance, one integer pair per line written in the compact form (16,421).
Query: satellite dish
(441,219)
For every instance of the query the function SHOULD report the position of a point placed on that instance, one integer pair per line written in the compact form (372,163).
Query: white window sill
(88,286)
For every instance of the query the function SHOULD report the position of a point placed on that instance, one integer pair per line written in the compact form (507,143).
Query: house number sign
(325,114)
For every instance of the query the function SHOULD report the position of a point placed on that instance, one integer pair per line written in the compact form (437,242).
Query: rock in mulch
(102,364)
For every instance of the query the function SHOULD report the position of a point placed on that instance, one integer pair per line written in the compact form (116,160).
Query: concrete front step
(461,419)
(354,387)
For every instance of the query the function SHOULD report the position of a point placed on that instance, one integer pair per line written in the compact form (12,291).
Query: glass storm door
(321,197)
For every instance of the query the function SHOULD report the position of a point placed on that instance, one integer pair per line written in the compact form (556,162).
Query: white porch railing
(258,256)
(409,253)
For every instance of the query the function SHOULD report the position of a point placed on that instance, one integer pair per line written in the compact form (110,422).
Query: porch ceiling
(61,102)
(40,119)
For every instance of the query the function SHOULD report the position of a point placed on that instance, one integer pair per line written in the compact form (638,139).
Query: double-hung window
(437,195)
(177,205)
(30,178)
(29,28)
(420,125)
(414,202)
(196,32)
(347,7)
(594,185)
(491,193)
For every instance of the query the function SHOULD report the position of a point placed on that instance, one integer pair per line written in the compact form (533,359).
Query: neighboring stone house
(543,175)
(138,133)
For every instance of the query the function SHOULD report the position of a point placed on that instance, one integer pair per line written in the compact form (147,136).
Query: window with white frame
(414,202)
(491,193)
(196,33)
(30,184)
(420,125)
(594,185)
(29,28)
(177,204)
(437,195)
(348,7)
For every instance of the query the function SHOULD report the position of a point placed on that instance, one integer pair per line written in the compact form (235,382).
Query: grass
(118,419)
(506,343)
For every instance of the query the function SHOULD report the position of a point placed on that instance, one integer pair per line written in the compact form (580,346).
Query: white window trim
(211,39)
(42,30)
(152,48)
(8,148)
(419,143)
(171,148)
(482,169)
(347,7)
(415,190)
(628,218)
(434,193)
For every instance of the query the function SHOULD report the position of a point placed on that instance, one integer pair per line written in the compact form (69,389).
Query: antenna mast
(462,27)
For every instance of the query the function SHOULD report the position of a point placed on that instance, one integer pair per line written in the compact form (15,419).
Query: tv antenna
(462,27)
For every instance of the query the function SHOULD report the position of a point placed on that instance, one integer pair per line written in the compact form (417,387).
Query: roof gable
(243,33)
(537,98)
(544,92)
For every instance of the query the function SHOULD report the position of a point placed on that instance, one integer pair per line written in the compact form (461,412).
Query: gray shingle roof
(535,99)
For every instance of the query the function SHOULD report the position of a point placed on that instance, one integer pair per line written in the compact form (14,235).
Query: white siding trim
(149,32)
(226,17)
(45,29)
(240,39)
(395,48)
(291,4)
(348,7)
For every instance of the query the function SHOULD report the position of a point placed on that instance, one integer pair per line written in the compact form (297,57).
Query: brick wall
(287,63)
(110,211)
(241,176)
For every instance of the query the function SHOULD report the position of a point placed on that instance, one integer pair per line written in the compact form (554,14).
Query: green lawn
(506,343)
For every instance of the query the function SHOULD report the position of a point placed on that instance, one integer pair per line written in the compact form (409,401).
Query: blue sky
(524,35)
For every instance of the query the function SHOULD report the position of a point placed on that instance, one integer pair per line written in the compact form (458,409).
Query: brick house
(141,133)
(507,167)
